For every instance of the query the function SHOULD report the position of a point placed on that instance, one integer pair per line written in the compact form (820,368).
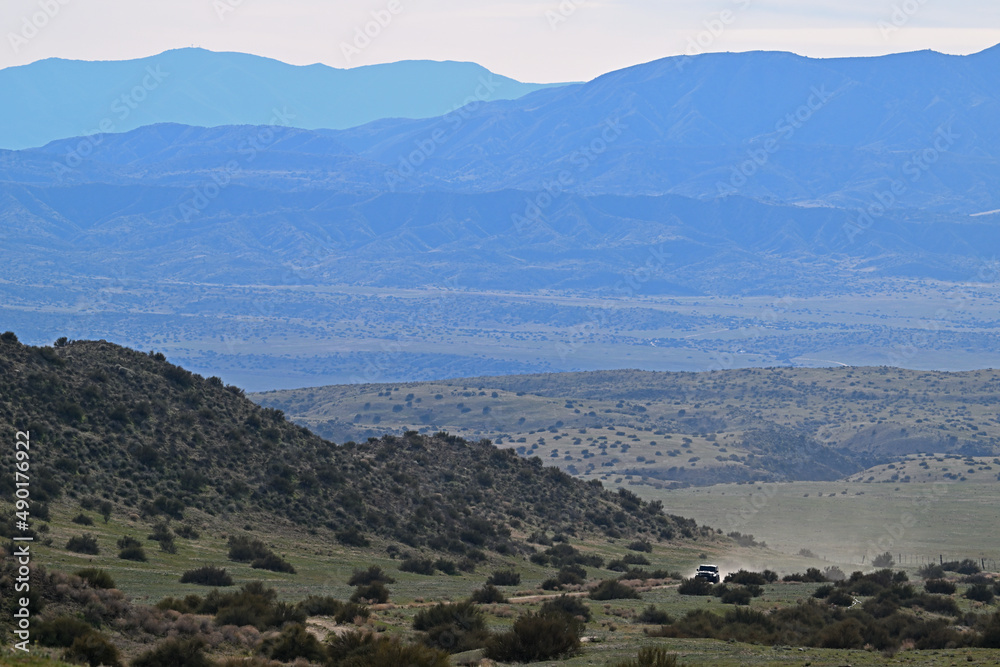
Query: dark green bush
(536,637)
(208,575)
(611,589)
(96,578)
(566,604)
(812,575)
(82,520)
(133,553)
(423,566)
(374,593)
(363,649)
(244,549)
(939,586)
(695,587)
(317,605)
(504,578)
(369,576)
(931,571)
(653,616)
(93,649)
(641,545)
(83,544)
(635,559)
(454,628)
(737,595)
(273,563)
(744,577)
(351,611)
(980,593)
(650,657)
(175,652)
(60,631)
(446,566)
(293,643)
(488,594)
(966,566)
(188,532)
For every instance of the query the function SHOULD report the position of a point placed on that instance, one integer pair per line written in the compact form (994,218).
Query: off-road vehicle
(709,573)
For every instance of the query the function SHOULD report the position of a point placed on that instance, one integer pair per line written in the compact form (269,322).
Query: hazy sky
(532,40)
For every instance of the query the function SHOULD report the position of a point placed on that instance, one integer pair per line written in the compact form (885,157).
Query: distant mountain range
(69,98)
(725,174)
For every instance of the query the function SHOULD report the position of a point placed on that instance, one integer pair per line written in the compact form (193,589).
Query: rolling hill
(687,428)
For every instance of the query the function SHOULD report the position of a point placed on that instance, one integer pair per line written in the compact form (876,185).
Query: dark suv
(709,573)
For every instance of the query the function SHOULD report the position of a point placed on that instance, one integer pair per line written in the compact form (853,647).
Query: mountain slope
(199,87)
(769,125)
(155,437)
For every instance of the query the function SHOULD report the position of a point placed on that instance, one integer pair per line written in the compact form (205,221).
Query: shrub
(207,576)
(883,560)
(611,589)
(566,604)
(317,605)
(931,571)
(273,563)
(352,537)
(653,616)
(134,553)
(744,577)
(980,593)
(504,578)
(488,594)
(60,631)
(82,519)
(188,532)
(635,559)
(695,587)
(293,643)
(369,576)
(423,566)
(351,611)
(571,575)
(939,586)
(966,566)
(536,637)
(83,544)
(374,593)
(737,595)
(243,549)
(363,649)
(96,578)
(641,545)
(812,575)
(446,566)
(650,657)
(452,627)
(93,649)
(173,652)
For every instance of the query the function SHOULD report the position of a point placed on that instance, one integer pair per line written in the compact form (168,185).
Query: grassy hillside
(689,428)
(138,432)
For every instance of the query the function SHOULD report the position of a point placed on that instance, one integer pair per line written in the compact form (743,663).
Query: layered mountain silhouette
(69,98)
